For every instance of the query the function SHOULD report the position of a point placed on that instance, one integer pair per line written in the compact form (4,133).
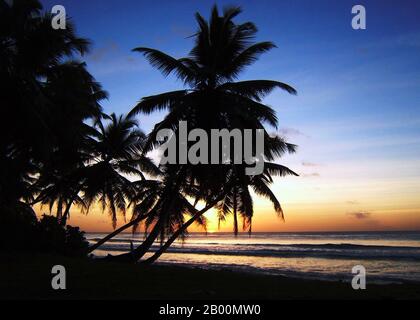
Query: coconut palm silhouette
(212,99)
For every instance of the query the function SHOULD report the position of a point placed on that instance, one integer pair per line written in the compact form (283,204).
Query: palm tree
(167,196)
(117,150)
(38,90)
(146,194)
(213,100)
(117,156)
(48,153)
(60,178)
(110,156)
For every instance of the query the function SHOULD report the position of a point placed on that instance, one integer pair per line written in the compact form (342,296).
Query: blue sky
(356,118)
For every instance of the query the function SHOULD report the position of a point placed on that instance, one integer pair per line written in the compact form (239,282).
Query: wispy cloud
(360,215)
(291,132)
(309,175)
(310,164)
(365,218)
(352,202)
(110,58)
(183,31)
(102,52)
(411,40)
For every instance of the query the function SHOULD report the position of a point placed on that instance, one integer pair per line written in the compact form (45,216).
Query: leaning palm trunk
(141,250)
(182,229)
(113,234)
(136,254)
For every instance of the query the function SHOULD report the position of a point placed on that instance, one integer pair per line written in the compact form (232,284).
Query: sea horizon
(258,232)
(388,256)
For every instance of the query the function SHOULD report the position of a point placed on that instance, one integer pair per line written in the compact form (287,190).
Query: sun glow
(212,221)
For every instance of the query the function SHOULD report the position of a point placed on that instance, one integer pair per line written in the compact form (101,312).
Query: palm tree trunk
(65,216)
(141,250)
(136,254)
(59,210)
(235,214)
(114,233)
(184,227)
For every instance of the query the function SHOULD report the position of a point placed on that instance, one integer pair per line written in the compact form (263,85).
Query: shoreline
(301,276)
(28,276)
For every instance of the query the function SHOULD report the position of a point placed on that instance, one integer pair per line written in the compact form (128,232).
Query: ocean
(386,256)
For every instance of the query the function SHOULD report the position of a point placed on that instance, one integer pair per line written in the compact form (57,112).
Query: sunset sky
(356,118)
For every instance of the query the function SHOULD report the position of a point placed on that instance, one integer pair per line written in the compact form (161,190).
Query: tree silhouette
(213,100)
(46,97)
(61,150)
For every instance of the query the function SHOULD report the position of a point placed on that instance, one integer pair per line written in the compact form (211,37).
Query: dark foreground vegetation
(28,276)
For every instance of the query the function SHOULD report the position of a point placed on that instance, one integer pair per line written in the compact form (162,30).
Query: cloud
(307,175)
(352,202)
(310,164)
(402,40)
(100,53)
(365,218)
(110,58)
(182,31)
(408,40)
(360,215)
(176,32)
(291,132)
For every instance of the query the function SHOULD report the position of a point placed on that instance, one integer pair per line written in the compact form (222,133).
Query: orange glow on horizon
(310,204)
(297,219)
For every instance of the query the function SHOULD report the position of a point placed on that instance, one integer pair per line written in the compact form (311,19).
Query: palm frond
(246,58)
(158,102)
(255,89)
(167,64)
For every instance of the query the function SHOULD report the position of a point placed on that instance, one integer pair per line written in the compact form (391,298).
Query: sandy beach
(28,276)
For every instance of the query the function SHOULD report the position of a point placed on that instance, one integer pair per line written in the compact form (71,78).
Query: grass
(28,276)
